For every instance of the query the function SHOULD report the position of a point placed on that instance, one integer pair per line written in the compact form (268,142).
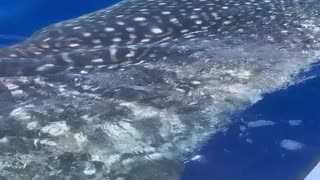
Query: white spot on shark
(139,19)
(109,29)
(156,30)
(99,60)
(74,45)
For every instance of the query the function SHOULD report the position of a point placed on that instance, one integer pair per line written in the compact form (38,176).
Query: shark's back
(138,30)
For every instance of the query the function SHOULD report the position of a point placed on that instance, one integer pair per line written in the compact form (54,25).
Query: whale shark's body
(133,31)
(127,91)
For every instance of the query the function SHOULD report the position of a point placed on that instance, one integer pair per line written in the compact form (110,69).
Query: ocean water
(280,140)
(277,138)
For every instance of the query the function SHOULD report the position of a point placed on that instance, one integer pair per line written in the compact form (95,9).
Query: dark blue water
(19,18)
(230,157)
(241,153)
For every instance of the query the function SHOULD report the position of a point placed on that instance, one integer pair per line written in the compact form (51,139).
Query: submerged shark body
(128,91)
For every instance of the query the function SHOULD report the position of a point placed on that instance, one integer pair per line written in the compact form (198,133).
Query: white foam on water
(260,123)
(291,145)
(295,122)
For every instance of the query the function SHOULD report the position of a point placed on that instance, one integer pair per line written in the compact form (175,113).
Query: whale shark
(131,91)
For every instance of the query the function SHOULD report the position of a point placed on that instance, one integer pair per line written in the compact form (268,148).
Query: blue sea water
(276,139)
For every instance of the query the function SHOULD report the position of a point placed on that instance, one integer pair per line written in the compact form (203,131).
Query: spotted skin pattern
(138,30)
(130,92)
